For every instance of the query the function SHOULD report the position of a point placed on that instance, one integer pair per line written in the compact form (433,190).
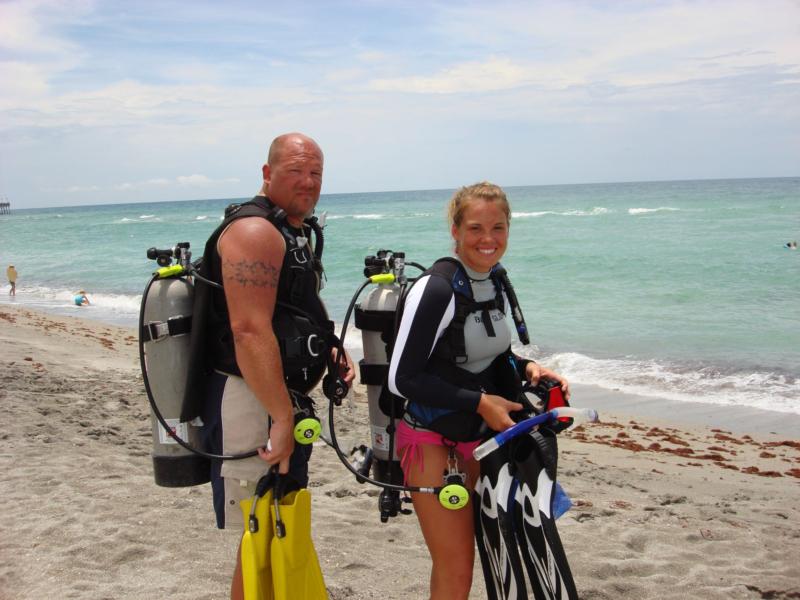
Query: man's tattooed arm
(251,273)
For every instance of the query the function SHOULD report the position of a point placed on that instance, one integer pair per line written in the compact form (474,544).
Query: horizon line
(394,191)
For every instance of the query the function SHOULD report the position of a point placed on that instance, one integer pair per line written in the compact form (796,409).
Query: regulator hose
(333,443)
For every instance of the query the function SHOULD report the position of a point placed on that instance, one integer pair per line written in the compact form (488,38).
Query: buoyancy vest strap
(277,216)
(487,322)
(516,312)
(452,270)
(455,333)
(263,207)
(453,339)
(255,208)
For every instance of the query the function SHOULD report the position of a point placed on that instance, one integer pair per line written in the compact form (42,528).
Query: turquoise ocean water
(684,290)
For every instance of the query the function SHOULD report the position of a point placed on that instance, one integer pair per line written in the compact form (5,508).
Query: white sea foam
(120,309)
(367,216)
(201,217)
(597,210)
(644,211)
(141,219)
(525,215)
(757,389)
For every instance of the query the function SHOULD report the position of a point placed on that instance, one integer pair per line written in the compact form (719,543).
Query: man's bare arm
(252,251)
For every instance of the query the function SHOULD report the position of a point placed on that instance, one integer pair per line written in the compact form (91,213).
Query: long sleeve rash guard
(429,309)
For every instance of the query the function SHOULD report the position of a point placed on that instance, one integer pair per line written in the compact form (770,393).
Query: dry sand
(662,511)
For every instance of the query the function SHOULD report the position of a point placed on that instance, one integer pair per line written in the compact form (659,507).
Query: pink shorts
(409,440)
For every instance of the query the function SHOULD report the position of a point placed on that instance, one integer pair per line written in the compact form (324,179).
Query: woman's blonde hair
(477,191)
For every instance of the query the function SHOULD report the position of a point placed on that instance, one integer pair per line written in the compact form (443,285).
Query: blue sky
(111,101)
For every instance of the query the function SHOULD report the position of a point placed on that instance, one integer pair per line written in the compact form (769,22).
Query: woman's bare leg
(449,534)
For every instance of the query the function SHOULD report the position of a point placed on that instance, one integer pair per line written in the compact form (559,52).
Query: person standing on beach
(262,265)
(451,394)
(11,274)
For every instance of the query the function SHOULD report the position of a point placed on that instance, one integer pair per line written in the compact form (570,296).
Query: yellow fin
(296,574)
(256,568)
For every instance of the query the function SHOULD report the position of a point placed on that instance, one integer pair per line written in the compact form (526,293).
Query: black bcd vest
(499,378)
(300,322)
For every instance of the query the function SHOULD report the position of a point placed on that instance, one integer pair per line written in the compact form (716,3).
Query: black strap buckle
(174,326)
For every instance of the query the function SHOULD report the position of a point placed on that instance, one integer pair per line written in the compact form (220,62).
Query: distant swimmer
(791,245)
(11,273)
(81,299)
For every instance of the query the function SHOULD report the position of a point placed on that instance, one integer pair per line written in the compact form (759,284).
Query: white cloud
(195,180)
(132,103)
(202,180)
(26,26)
(557,45)
(588,63)
(470,77)
(163,99)
(81,189)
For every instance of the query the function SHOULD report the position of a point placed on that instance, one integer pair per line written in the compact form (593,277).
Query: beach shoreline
(663,507)
(738,419)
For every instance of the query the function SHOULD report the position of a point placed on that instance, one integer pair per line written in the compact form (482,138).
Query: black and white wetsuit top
(429,309)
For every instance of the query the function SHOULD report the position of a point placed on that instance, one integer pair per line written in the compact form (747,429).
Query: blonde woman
(450,361)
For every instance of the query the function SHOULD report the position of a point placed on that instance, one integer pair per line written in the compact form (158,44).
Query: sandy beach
(664,508)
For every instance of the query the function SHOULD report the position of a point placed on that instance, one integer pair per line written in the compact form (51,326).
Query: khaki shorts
(244,425)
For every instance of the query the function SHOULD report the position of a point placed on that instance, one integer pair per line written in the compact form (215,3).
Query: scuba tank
(165,351)
(376,317)
(164,324)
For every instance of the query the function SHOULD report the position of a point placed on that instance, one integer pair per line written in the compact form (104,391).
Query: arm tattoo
(252,273)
